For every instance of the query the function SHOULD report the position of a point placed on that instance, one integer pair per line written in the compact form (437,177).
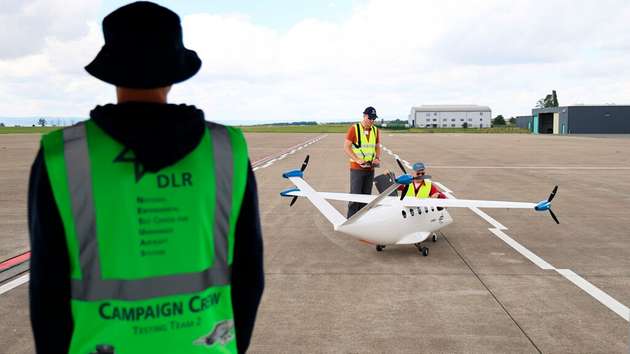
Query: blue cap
(418,166)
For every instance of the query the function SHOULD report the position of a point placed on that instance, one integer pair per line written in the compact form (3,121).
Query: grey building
(606,119)
(523,121)
(450,116)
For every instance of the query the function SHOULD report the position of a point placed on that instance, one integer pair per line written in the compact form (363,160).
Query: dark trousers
(360,183)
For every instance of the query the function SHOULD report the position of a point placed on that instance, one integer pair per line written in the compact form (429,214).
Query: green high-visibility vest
(150,253)
(423,192)
(364,147)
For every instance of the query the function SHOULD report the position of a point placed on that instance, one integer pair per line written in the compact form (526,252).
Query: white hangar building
(450,116)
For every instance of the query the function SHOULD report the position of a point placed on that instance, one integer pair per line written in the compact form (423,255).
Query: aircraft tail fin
(304,189)
(324,207)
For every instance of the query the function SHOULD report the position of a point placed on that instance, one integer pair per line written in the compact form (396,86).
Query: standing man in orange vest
(362,146)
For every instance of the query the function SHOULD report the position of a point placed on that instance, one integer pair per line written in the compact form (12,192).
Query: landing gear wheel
(434,238)
(425,251)
(380,248)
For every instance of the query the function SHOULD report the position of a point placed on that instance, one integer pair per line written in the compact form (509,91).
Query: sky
(327,60)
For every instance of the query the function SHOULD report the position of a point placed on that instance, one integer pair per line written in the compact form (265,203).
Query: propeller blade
(554,217)
(305,163)
(553,193)
(293,201)
(422,177)
(404,192)
(401,166)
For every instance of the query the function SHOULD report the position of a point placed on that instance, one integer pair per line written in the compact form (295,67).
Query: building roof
(558,109)
(451,108)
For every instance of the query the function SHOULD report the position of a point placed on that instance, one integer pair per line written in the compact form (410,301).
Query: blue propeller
(546,205)
(304,164)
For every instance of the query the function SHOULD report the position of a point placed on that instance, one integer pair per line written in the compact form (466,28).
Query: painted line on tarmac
(611,303)
(271,159)
(541,263)
(607,300)
(11,262)
(490,220)
(14,283)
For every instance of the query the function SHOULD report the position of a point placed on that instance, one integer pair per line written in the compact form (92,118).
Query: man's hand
(359,162)
(376,161)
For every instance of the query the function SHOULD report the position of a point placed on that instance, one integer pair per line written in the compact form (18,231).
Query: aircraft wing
(359,198)
(465,203)
(415,202)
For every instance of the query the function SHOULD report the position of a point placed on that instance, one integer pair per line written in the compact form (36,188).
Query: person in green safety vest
(144,225)
(362,146)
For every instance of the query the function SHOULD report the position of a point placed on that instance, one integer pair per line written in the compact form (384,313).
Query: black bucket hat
(143,48)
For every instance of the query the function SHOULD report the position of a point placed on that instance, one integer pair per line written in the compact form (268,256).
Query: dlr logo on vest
(174,181)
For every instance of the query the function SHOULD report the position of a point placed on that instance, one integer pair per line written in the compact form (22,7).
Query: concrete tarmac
(329,293)
(17,152)
(326,292)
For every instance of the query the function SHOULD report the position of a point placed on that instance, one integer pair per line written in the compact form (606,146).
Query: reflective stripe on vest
(423,192)
(91,286)
(364,147)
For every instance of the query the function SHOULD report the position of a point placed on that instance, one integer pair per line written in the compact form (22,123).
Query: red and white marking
(271,159)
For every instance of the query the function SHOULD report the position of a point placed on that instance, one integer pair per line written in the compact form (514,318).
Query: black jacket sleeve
(51,317)
(247,266)
(49,298)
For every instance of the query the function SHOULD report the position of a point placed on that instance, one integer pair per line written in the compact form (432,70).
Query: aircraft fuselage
(387,224)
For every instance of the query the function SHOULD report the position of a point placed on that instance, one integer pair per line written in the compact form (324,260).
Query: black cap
(143,48)
(371,112)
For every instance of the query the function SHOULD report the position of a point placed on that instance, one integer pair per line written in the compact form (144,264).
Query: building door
(545,123)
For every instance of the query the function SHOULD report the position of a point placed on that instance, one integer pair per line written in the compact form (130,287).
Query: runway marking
(611,303)
(442,187)
(488,218)
(541,263)
(15,261)
(14,283)
(607,300)
(273,158)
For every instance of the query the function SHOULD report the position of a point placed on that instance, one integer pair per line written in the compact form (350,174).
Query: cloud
(395,54)
(520,31)
(389,54)
(27,24)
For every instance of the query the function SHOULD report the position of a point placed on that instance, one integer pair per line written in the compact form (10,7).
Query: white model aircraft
(387,220)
